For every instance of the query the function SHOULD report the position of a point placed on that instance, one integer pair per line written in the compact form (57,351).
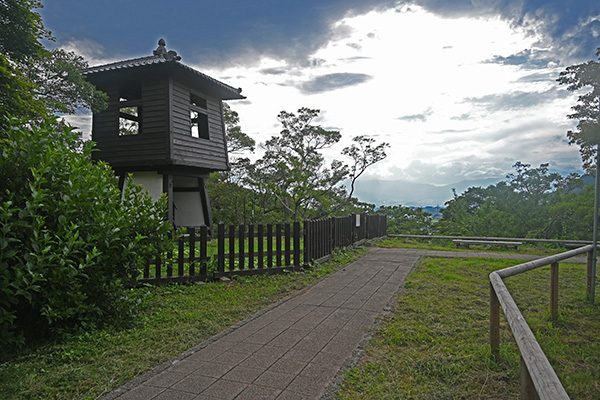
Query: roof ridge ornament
(161,50)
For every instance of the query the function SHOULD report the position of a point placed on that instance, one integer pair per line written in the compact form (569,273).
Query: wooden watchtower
(164,126)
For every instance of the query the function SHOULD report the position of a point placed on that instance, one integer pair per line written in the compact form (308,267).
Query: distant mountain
(412,194)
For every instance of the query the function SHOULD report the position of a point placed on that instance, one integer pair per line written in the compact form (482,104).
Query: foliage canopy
(292,180)
(34,80)
(587,111)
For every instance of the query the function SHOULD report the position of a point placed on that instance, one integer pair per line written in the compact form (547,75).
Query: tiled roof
(136,62)
(157,59)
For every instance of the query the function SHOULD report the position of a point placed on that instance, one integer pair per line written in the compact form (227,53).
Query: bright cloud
(456,98)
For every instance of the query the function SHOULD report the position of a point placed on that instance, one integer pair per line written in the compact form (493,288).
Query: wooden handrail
(535,367)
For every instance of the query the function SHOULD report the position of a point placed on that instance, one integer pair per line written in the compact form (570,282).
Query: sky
(460,89)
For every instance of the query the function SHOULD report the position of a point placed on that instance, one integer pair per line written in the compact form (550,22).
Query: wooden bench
(466,243)
(574,245)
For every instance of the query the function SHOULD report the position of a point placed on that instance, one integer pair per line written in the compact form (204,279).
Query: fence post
(261,245)
(590,267)
(180,255)
(269,245)
(241,246)
(251,246)
(528,391)
(353,229)
(221,247)
(170,258)
(192,271)
(297,244)
(494,322)
(203,249)
(278,246)
(306,242)
(554,291)
(288,253)
(231,247)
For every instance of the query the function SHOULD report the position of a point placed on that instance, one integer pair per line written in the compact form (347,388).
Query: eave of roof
(233,93)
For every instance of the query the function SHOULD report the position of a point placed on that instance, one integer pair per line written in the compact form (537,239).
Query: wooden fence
(538,379)
(258,249)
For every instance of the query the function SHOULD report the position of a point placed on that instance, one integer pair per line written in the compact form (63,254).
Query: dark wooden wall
(151,146)
(197,152)
(155,146)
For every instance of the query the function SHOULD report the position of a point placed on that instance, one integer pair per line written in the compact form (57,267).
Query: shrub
(70,242)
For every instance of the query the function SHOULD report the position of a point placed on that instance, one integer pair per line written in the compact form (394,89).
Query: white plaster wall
(151,181)
(188,205)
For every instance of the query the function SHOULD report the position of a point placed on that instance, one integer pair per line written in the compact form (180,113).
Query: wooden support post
(494,323)
(554,291)
(528,391)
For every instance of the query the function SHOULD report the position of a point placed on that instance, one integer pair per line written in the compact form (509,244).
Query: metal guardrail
(538,378)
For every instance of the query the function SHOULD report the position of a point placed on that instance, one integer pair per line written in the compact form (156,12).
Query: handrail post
(528,391)
(554,292)
(494,323)
(590,274)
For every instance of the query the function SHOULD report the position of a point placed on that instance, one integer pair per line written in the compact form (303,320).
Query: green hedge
(69,240)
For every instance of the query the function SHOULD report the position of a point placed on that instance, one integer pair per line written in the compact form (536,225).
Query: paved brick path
(296,349)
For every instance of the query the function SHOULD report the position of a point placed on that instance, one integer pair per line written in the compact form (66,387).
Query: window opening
(198,117)
(129,120)
(130,110)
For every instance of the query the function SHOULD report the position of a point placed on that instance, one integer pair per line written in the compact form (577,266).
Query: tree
(532,202)
(587,132)
(21,28)
(60,85)
(293,171)
(34,80)
(231,201)
(407,220)
(237,140)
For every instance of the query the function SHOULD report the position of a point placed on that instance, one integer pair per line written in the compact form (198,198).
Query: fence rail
(258,249)
(538,379)
(493,238)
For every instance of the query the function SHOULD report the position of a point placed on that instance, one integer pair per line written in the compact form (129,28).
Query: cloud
(527,57)
(517,100)
(422,117)
(274,71)
(571,28)
(329,82)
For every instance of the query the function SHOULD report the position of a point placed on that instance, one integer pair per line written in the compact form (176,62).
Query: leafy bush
(69,240)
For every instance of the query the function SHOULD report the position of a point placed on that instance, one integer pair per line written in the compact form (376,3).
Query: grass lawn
(446,244)
(435,344)
(172,319)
